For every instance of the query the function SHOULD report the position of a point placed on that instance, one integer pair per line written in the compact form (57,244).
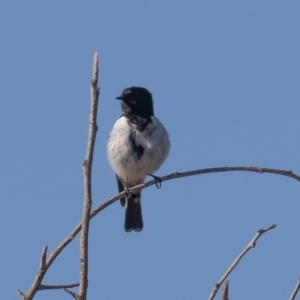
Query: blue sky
(225,80)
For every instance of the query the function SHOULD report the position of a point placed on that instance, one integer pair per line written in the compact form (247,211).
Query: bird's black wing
(121,189)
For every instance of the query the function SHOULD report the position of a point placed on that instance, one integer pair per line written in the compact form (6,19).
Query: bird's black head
(137,101)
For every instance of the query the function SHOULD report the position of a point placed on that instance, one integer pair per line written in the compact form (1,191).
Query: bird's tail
(133,213)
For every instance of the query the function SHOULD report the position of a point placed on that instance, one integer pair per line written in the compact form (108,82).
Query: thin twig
(87,180)
(172,176)
(225,293)
(295,291)
(74,295)
(22,295)
(251,245)
(43,258)
(38,278)
(57,287)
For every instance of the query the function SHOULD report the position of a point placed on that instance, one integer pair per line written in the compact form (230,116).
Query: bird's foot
(126,189)
(157,180)
(127,192)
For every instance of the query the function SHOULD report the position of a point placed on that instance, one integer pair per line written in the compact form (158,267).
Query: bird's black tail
(133,213)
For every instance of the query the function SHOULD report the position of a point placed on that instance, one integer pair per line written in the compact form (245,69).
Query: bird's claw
(158,181)
(127,191)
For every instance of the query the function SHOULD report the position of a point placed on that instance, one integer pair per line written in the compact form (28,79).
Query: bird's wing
(121,189)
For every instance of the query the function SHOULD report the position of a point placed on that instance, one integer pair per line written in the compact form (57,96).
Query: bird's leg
(157,180)
(126,189)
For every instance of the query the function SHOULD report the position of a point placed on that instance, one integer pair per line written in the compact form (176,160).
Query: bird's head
(137,101)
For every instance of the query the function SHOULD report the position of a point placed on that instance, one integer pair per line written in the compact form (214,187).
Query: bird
(137,146)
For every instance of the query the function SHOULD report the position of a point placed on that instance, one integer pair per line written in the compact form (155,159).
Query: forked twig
(46,263)
(38,278)
(251,245)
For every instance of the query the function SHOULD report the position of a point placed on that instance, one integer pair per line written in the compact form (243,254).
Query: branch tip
(43,259)
(258,234)
(225,294)
(21,294)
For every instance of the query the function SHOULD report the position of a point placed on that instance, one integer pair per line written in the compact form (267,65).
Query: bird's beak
(120,98)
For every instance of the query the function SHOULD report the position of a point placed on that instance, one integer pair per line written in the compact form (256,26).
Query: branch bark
(251,245)
(295,291)
(87,179)
(38,278)
(74,295)
(225,293)
(43,287)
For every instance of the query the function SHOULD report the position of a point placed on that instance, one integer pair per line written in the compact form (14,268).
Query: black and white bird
(138,145)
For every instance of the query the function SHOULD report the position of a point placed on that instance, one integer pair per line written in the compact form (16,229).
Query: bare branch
(45,264)
(74,295)
(57,287)
(251,245)
(176,175)
(22,295)
(62,245)
(225,294)
(38,279)
(295,291)
(43,258)
(87,179)
(260,170)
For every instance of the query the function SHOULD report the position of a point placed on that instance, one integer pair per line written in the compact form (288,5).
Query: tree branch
(260,170)
(74,295)
(176,175)
(38,279)
(295,291)
(57,286)
(251,245)
(113,199)
(225,293)
(87,179)
(22,295)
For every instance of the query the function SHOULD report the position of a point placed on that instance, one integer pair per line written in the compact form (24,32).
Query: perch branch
(251,245)
(87,179)
(176,175)
(295,291)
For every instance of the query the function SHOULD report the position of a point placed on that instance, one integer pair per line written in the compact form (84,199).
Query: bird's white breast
(154,140)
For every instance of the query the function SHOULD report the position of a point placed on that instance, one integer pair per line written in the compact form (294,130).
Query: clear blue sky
(225,79)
